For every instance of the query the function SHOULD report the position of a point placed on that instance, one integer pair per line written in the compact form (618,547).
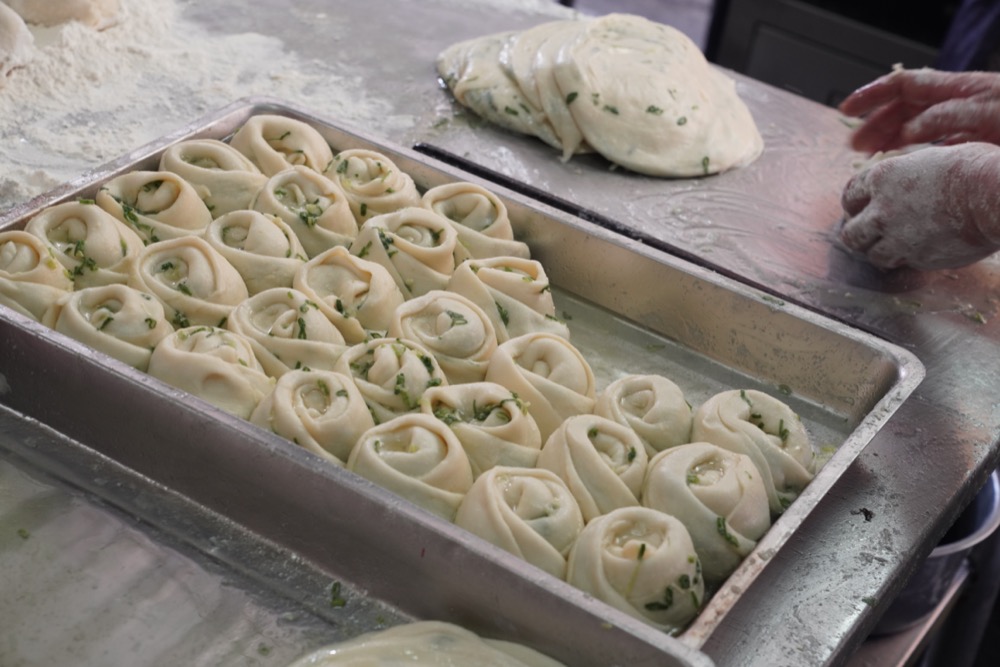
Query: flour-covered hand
(936,208)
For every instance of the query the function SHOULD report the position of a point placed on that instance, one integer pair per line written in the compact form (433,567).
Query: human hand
(924,106)
(935,208)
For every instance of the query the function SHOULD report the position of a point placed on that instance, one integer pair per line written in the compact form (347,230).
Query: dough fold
(156,205)
(492,424)
(392,374)
(455,330)
(415,245)
(94,247)
(213,364)
(418,458)
(195,284)
(372,183)
(287,331)
(514,292)
(642,562)
(718,495)
(274,143)
(31,278)
(651,405)
(528,512)
(225,179)
(313,206)
(262,248)
(480,219)
(357,295)
(115,319)
(320,411)
(548,374)
(601,462)
(750,422)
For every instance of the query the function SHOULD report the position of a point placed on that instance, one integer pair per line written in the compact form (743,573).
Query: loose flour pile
(88,96)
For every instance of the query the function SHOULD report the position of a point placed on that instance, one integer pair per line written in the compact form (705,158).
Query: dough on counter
(17,44)
(99,14)
(638,92)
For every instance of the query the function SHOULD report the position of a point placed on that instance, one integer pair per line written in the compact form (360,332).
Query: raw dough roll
(357,295)
(528,512)
(263,248)
(456,331)
(514,292)
(117,320)
(642,562)
(275,143)
(372,182)
(425,643)
(415,245)
(602,462)
(287,331)
(31,279)
(548,374)
(195,284)
(312,205)
(392,374)
(718,495)
(651,405)
(156,205)
(492,424)
(321,411)
(94,247)
(479,217)
(225,179)
(760,426)
(417,457)
(213,364)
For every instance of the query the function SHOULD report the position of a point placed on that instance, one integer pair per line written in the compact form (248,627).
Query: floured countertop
(89,96)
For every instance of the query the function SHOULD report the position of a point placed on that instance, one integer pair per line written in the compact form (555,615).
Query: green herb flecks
(571,97)
(704,165)
(682,120)
(336,597)
(723,529)
(662,605)
(504,315)
(457,319)
(655,110)
(301,333)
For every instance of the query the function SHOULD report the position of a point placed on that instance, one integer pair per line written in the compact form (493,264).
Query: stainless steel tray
(664,315)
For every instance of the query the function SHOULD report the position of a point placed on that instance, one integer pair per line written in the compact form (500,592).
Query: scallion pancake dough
(639,93)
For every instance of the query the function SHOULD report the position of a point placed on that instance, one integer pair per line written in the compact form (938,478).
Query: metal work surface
(768,225)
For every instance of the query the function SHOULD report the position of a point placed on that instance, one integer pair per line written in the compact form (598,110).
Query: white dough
(427,643)
(31,279)
(651,405)
(17,44)
(99,14)
(372,182)
(639,93)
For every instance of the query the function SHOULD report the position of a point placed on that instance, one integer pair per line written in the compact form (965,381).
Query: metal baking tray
(630,308)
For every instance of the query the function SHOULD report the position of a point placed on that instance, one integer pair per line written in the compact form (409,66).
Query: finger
(861,232)
(880,131)
(869,97)
(856,194)
(949,120)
